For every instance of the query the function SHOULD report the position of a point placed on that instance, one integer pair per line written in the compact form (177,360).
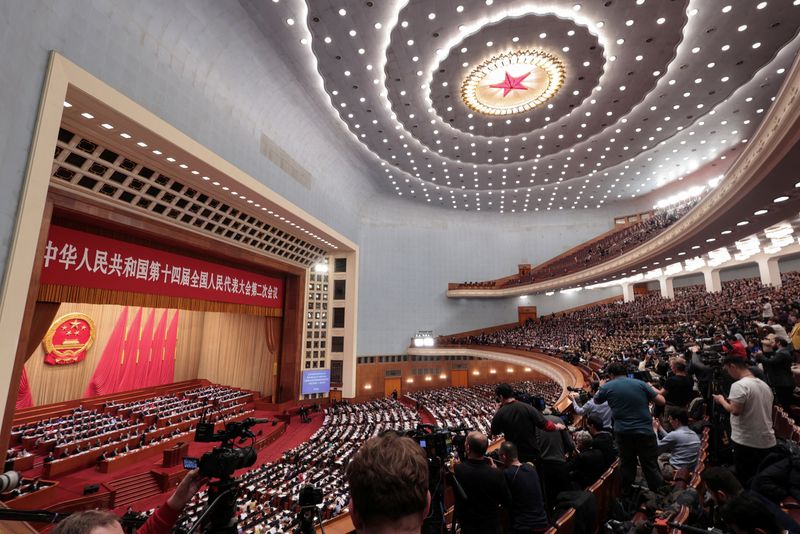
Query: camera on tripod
(222,461)
(439,442)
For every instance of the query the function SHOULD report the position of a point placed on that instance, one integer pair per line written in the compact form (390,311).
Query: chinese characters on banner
(74,258)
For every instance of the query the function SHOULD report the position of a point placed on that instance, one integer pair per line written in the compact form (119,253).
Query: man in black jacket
(527,513)
(602,440)
(778,367)
(518,422)
(485,488)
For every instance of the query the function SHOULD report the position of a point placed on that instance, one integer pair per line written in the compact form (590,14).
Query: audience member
(750,406)
(527,514)
(680,448)
(485,488)
(388,479)
(629,399)
(589,464)
(518,421)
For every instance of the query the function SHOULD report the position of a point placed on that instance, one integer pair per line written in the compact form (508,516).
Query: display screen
(190,463)
(316,381)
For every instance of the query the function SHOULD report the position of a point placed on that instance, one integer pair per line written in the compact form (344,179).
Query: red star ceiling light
(513,82)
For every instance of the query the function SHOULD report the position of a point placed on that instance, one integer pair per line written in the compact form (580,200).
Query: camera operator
(590,407)
(630,404)
(527,513)
(778,368)
(722,487)
(485,488)
(161,522)
(388,480)
(733,346)
(518,422)
(750,405)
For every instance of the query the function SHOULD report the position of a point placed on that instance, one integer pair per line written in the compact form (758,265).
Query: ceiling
(654,91)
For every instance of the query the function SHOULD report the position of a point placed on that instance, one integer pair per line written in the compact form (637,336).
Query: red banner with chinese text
(74,258)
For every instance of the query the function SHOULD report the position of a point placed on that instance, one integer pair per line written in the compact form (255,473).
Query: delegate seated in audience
(589,464)
(388,479)
(485,488)
(161,522)
(678,449)
(526,514)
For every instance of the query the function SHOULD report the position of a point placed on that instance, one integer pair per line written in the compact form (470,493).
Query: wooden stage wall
(233,349)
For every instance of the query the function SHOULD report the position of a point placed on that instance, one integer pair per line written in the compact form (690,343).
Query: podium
(174,455)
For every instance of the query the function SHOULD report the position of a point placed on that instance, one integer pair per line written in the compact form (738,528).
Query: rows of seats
(269,493)
(602,330)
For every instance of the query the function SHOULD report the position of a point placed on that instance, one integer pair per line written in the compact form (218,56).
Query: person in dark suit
(602,440)
(589,464)
(485,488)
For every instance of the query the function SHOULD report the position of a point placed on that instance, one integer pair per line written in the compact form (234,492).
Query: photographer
(161,522)
(485,488)
(388,479)
(678,388)
(591,407)
(630,404)
(518,422)
(778,367)
(527,507)
(750,406)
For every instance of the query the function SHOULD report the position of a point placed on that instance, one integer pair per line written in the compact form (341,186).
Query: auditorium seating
(270,492)
(603,330)
(595,251)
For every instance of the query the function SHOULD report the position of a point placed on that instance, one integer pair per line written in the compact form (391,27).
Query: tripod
(221,509)
(306,517)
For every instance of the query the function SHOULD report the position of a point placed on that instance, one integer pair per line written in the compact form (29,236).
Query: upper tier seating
(596,251)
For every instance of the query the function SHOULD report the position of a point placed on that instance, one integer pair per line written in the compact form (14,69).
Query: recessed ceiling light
(760,212)
(157,152)
(781,199)
(459,9)
(761,5)
(515,39)
(742,28)
(404,24)
(725,232)
(711,239)
(171,160)
(327,40)
(290,21)
(742,223)
(87,115)
(107,126)
(661,20)
(342,12)
(142,144)
(303,41)
(629,22)
(125,135)
(431,16)
(726,9)
(756,45)
(378,26)
(67,104)
(489,43)
(695,247)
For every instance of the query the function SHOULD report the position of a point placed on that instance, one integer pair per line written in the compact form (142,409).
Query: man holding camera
(591,407)
(750,406)
(518,422)
(485,488)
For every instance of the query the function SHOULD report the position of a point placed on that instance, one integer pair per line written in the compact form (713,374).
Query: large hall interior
(279,229)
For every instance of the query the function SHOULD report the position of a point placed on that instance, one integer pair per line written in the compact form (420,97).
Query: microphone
(9,480)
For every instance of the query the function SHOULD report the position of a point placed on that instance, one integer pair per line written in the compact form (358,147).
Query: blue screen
(316,381)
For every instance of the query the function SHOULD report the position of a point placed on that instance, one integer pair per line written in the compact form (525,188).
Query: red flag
(128,360)
(24,395)
(143,356)
(157,352)
(106,374)
(168,367)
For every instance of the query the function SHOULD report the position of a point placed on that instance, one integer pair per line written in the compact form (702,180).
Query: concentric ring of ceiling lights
(513,82)
(655,91)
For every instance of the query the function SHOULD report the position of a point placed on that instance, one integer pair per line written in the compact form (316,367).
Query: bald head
(476,443)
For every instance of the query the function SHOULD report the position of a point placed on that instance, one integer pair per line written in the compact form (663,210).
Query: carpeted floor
(71,486)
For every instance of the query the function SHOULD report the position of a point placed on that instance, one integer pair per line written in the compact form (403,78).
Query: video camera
(439,442)
(222,461)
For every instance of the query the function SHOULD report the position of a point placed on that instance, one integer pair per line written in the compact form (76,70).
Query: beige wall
(224,348)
